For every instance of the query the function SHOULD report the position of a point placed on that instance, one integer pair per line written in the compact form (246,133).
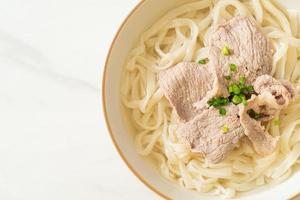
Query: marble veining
(53,139)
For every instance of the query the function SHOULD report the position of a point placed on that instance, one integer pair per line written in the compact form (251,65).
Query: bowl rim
(142,179)
(107,122)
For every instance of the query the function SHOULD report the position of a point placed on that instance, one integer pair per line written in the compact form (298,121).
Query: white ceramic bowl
(141,18)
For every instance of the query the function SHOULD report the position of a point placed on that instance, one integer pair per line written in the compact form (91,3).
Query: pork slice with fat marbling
(249,50)
(263,143)
(185,84)
(212,134)
(273,95)
(280,91)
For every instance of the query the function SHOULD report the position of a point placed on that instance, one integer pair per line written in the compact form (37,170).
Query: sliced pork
(250,50)
(211,134)
(277,92)
(185,84)
(273,95)
(262,141)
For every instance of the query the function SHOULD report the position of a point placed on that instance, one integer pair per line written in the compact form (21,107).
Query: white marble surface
(53,140)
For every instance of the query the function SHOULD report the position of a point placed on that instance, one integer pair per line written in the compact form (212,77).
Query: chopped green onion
(233,67)
(210,102)
(234,89)
(227,77)
(236,99)
(242,80)
(243,90)
(222,111)
(203,61)
(244,100)
(254,114)
(216,102)
(226,51)
(230,89)
(246,89)
(224,101)
(242,96)
(225,129)
(276,122)
(250,88)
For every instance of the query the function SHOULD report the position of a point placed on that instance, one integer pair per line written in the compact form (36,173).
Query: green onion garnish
(234,89)
(236,99)
(246,89)
(239,93)
(216,102)
(233,67)
(227,77)
(203,61)
(225,129)
(242,80)
(244,100)
(222,111)
(276,122)
(226,51)
(254,114)
(250,88)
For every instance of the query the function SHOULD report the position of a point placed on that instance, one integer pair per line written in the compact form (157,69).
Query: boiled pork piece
(250,50)
(263,143)
(280,91)
(211,134)
(273,95)
(185,84)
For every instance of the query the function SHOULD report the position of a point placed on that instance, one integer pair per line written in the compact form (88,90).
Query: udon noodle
(181,36)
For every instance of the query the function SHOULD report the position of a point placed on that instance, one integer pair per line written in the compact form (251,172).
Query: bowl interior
(121,130)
